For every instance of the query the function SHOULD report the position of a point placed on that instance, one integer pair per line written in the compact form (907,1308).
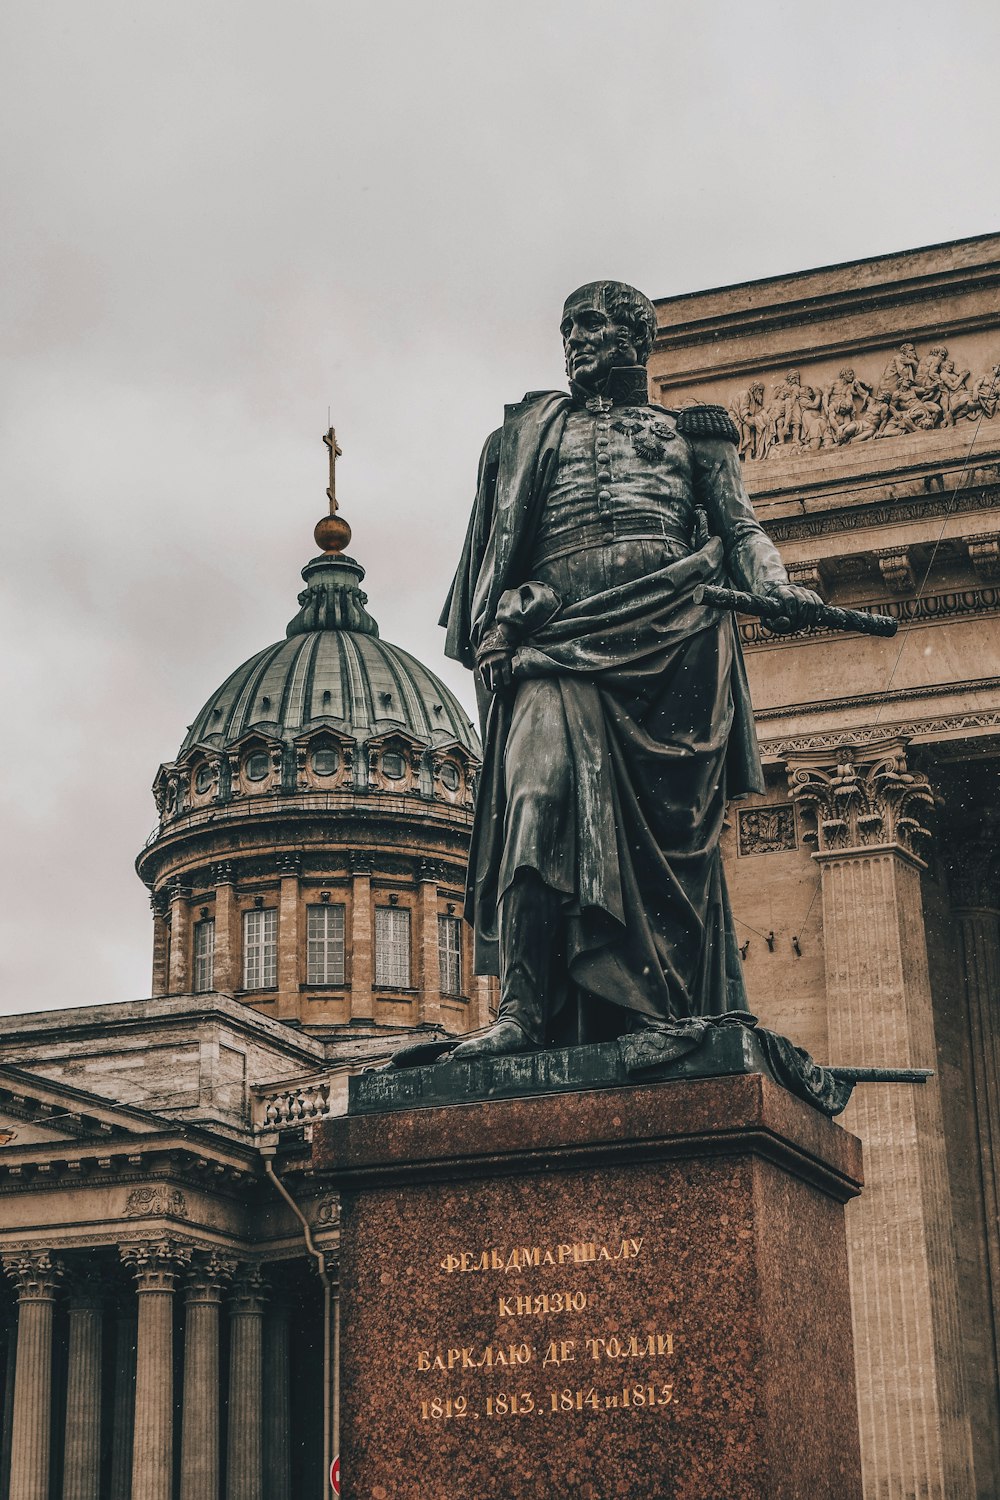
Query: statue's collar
(625,386)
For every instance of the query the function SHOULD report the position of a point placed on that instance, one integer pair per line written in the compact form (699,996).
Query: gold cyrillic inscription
(525,1257)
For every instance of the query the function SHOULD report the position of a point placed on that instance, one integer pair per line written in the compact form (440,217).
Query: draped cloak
(637,697)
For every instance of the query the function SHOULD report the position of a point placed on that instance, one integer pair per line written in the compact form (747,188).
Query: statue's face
(593,344)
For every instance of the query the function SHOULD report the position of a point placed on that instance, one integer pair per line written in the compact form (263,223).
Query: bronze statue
(616,718)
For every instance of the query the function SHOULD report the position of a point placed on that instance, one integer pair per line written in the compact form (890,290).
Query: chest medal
(648,437)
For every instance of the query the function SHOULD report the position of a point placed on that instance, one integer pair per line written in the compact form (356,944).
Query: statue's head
(605,324)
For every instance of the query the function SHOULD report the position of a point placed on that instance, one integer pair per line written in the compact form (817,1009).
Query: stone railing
(297,1104)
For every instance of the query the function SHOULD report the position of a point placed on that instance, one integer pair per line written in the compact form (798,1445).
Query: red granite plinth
(621,1294)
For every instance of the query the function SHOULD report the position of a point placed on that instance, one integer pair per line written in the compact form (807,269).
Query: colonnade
(141,1459)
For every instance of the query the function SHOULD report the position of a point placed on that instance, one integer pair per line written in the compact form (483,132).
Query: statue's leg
(532,954)
(536,876)
(532,969)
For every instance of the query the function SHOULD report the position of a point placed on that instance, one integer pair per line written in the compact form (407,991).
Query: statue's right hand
(495,669)
(495,655)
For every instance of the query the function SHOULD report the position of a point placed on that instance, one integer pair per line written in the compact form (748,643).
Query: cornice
(793,300)
(43,1165)
(865,700)
(279,820)
(915,730)
(131,1018)
(888,512)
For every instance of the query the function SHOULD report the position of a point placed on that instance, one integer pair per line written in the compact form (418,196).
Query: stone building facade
(169,1311)
(169,1329)
(866,879)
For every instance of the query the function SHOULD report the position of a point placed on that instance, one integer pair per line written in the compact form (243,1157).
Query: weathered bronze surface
(615,713)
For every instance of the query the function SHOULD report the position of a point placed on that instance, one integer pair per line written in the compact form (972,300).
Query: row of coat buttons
(604,475)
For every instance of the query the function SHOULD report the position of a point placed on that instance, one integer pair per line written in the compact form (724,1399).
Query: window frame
(326,943)
(450,956)
(204,960)
(389,974)
(265,944)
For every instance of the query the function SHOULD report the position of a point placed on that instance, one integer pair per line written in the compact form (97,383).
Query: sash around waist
(599,534)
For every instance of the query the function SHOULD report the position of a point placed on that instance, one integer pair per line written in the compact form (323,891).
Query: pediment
(34,1110)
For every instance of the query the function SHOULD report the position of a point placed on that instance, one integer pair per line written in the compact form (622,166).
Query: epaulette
(707,422)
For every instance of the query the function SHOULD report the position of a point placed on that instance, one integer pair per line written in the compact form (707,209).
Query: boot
(531,958)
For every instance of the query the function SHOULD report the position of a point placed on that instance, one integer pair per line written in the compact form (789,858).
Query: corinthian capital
(249,1289)
(861,796)
(156,1264)
(36,1274)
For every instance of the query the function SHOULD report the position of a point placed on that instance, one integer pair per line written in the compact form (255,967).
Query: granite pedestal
(617,1293)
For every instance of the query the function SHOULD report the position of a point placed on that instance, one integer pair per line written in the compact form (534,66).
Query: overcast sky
(223,216)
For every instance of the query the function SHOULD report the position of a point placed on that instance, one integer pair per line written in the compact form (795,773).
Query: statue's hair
(627,306)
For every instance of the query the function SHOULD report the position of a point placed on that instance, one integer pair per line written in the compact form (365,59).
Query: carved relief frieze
(155,1201)
(913,393)
(766,830)
(860,798)
(328,1212)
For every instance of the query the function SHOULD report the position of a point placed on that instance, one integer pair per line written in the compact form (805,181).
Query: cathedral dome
(332,670)
(332,708)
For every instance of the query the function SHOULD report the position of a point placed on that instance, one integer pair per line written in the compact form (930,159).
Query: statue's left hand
(798,606)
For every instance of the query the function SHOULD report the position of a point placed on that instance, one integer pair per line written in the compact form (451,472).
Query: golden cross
(330,439)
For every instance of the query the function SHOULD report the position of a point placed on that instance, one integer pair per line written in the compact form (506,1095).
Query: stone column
(157,1265)
(291,948)
(915,1432)
(245,1450)
(161,943)
(179,969)
(35,1274)
(362,954)
(974,883)
(7,1419)
(82,1448)
(430,954)
(225,976)
(277,1402)
(123,1410)
(200,1467)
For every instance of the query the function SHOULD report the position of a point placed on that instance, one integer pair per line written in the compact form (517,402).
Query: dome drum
(322,760)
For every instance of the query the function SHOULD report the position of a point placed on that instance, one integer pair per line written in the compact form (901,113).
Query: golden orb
(332,534)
